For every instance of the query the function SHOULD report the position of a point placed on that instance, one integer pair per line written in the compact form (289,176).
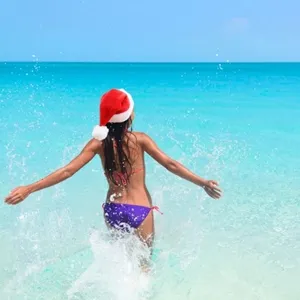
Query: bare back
(134,191)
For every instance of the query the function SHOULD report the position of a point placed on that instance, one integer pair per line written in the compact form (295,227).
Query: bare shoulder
(148,145)
(141,137)
(144,140)
(94,145)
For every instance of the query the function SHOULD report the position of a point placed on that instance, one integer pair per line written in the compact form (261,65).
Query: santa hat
(116,106)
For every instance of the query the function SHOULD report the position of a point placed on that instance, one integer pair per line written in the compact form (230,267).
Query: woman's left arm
(87,154)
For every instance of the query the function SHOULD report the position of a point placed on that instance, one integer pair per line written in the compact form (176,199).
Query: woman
(128,203)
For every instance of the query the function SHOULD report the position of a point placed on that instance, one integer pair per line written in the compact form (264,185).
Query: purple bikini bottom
(120,215)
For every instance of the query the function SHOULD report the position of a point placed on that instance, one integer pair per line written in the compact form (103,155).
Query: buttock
(122,216)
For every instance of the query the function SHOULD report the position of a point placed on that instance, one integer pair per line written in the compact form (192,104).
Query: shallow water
(238,124)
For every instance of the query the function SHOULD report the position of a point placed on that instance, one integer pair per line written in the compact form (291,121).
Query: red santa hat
(116,106)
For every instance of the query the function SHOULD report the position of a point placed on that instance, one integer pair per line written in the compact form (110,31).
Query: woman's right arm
(150,147)
(86,155)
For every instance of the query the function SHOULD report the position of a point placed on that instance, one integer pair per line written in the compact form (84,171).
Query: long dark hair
(115,158)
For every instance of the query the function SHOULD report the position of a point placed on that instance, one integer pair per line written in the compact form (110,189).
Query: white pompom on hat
(116,106)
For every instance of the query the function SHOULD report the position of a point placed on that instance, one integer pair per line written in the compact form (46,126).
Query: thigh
(146,230)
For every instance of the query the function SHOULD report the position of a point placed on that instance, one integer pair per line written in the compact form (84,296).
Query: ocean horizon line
(148,62)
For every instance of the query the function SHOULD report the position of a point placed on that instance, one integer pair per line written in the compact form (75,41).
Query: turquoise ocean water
(236,123)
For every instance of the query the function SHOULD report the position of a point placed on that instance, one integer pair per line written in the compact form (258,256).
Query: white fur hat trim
(100,132)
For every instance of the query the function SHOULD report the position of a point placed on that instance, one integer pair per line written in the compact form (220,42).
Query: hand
(17,195)
(212,189)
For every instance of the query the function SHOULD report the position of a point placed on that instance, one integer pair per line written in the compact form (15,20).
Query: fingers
(17,201)
(214,185)
(14,197)
(213,193)
(9,198)
(214,182)
(209,192)
(217,191)
(11,194)
(216,188)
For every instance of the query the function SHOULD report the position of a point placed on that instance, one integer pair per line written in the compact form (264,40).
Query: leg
(146,230)
(146,234)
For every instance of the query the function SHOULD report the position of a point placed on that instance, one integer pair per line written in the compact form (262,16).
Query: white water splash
(115,273)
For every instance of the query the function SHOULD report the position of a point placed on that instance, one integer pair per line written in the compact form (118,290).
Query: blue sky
(156,30)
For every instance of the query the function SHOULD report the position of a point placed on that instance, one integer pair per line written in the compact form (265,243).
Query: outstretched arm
(210,186)
(87,154)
